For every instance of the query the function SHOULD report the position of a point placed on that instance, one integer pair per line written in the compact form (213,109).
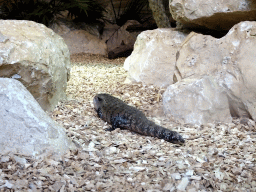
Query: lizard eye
(99,99)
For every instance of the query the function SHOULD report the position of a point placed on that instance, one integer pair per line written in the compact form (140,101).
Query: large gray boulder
(218,15)
(154,56)
(230,61)
(81,41)
(116,36)
(163,57)
(159,14)
(197,101)
(37,57)
(24,126)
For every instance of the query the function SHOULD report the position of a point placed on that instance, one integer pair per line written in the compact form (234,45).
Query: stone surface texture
(159,13)
(197,101)
(229,60)
(25,128)
(116,36)
(217,15)
(37,57)
(154,56)
(81,41)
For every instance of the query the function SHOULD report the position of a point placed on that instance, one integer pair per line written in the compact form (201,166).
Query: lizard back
(119,114)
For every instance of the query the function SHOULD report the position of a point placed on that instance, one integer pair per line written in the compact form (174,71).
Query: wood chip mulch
(215,157)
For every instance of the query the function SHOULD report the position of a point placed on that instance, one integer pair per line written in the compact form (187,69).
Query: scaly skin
(120,115)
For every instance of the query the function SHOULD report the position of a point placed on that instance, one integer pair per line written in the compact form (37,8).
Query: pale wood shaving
(215,157)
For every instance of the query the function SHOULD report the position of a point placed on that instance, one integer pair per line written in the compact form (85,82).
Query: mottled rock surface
(81,41)
(218,15)
(159,13)
(229,60)
(25,128)
(116,36)
(154,56)
(197,101)
(37,57)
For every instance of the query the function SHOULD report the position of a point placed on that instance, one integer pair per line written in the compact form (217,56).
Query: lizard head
(99,101)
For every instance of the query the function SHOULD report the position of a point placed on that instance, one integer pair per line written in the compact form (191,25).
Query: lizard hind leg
(117,122)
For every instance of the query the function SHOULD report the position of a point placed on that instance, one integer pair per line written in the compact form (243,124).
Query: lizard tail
(151,129)
(168,135)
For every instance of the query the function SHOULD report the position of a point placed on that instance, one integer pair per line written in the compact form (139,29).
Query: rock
(218,15)
(37,57)
(159,14)
(89,40)
(116,36)
(197,101)
(81,41)
(150,24)
(25,128)
(199,55)
(229,60)
(108,31)
(154,56)
(122,51)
